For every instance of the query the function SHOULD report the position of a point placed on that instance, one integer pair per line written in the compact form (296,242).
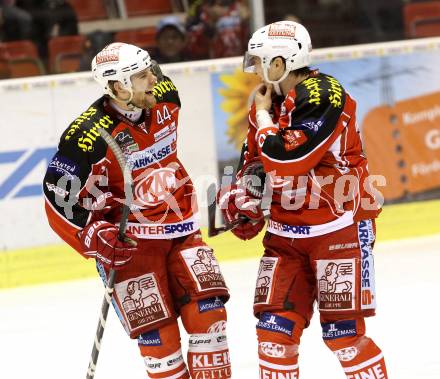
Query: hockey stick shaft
(108,294)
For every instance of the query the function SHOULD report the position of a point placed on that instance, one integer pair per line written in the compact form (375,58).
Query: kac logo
(156,187)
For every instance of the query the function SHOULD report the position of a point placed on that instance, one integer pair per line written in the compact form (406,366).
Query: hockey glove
(100,240)
(106,207)
(240,208)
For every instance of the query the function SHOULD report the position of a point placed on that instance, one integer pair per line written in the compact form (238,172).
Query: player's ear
(119,91)
(278,62)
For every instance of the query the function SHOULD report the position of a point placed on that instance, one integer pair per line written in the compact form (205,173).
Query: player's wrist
(263,119)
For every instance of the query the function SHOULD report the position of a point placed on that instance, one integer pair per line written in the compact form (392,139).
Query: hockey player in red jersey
(321,231)
(165,270)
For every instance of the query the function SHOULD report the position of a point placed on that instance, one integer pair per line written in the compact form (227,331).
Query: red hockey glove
(106,207)
(238,207)
(100,240)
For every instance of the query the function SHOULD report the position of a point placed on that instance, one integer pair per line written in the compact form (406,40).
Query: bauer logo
(336,284)
(275,323)
(338,329)
(204,268)
(57,190)
(142,301)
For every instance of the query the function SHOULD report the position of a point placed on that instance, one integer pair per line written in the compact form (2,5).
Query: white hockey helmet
(118,62)
(287,39)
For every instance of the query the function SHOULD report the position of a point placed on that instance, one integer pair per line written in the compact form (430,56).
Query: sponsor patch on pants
(210,304)
(336,284)
(141,301)
(204,268)
(338,329)
(366,239)
(274,323)
(266,272)
(150,339)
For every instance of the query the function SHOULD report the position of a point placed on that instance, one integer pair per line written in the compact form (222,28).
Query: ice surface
(47,331)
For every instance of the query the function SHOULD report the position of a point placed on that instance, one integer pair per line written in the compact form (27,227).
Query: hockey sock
(162,353)
(278,340)
(208,353)
(358,355)
(208,356)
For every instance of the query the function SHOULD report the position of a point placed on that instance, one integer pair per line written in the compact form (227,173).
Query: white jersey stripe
(278,367)
(362,365)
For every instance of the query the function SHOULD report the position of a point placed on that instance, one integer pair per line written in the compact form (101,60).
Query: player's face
(142,86)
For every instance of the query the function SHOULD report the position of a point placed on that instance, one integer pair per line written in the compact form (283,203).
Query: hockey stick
(128,189)
(213,230)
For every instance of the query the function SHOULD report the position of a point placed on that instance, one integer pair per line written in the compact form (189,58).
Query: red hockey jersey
(314,158)
(84,171)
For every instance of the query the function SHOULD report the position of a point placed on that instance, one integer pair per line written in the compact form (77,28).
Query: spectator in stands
(383,18)
(50,18)
(15,23)
(217,28)
(170,41)
(95,42)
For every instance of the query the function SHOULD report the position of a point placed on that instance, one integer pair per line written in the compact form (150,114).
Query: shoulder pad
(166,92)
(320,91)
(83,131)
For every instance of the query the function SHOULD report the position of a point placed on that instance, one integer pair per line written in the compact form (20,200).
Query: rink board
(61,319)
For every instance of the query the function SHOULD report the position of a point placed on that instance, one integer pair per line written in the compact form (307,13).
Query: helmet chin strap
(130,105)
(275,83)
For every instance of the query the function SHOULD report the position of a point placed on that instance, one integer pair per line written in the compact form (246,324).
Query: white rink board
(34,112)
(47,331)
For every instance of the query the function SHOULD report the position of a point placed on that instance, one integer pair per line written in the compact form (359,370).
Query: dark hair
(111,85)
(302,71)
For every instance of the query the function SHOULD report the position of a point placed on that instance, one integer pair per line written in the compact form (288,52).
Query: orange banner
(402,143)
